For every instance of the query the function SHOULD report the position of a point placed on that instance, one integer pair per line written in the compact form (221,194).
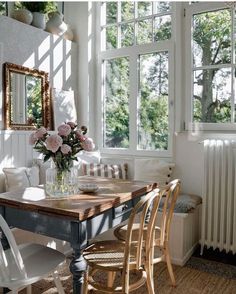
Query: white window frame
(190,10)
(133,53)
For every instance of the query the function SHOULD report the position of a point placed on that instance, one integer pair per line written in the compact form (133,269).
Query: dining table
(73,218)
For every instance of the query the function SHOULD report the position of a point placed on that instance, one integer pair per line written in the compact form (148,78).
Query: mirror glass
(27,99)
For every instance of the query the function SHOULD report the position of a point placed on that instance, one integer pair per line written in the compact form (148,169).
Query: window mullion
(134,88)
(232,66)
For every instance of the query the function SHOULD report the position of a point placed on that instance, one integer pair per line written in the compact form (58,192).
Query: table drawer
(123,209)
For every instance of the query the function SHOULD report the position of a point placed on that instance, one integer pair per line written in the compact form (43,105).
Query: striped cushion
(116,171)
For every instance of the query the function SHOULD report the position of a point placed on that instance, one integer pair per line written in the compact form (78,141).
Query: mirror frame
(46,99)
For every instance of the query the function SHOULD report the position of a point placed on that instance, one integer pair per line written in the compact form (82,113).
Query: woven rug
(197,276)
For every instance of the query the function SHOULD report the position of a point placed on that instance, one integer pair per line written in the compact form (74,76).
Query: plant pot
(22,15)
(56,25)
(69,34)
(39,20)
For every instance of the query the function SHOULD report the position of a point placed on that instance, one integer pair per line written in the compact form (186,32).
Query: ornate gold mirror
(27,101)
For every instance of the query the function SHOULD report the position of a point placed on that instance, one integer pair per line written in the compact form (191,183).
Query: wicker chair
(162,232)
(133,255)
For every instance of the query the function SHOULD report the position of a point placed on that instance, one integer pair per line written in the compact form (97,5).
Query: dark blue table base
(75,232)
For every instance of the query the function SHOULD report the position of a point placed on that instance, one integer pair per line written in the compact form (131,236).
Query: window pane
(2,8)
(116,107)
(111,12)
(211,38)
(162,6)
(111,37)
(127,34)
(212,94)
(144,8)
(127,10)
(144,31)
(153,102)
(162,28)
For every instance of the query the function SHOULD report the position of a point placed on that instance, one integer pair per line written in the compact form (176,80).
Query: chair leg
(150,285)
(111,278)
(58,283)
(85,285)
(169,266)
(149,272)
(29,289)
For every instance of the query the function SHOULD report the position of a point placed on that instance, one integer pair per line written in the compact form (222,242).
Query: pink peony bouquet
(63,146)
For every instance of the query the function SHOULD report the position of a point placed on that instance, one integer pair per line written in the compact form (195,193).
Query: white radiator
(219,195)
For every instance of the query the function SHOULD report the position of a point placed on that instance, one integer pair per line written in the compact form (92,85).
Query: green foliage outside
(2,8)
(212,46)
(117,103)
(43,7)
(153,101)
(211,39)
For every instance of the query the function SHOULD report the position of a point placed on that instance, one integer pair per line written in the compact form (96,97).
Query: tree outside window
(129,25)
(213,74)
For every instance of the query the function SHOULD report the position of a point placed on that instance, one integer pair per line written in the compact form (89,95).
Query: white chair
(23,265)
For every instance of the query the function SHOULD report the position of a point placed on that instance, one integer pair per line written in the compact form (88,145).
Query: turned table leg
(77,267)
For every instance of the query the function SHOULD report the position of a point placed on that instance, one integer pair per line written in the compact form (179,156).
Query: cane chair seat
(109,254)
(161,238)
(127,257)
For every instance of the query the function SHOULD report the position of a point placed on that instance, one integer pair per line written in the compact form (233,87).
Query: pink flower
(65,149)
(32,139)
(53,143)
(40,132)
(71,124)
(64,130)
(88,144)
(80,136)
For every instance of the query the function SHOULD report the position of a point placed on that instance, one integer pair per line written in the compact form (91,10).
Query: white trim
(133,53)
(177,25)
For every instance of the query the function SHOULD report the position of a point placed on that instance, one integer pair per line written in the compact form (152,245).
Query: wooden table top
(111,193)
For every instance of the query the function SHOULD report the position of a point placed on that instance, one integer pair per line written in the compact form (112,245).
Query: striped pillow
(115,171)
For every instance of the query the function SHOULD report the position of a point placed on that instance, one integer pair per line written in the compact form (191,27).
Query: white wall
(31,47)
(79,16)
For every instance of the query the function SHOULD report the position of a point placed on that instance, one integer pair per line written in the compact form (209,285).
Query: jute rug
(196,277)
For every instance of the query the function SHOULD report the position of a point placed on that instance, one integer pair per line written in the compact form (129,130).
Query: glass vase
(61,183)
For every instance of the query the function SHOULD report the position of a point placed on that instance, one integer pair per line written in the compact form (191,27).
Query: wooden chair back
(147,207)
(170,193)
(15,253)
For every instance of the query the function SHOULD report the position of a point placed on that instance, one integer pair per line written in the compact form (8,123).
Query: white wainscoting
(15,151)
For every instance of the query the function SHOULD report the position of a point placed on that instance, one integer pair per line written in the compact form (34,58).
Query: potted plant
(21,14)
(39,10)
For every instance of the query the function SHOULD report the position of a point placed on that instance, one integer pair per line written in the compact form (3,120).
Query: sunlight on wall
(68,68)
(45,64)
(30,61)
(57,55)
(43,47)
(32,48)
(89,31)
(68,48)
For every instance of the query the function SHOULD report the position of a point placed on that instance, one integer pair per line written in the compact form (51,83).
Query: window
(136,77)
(211,28)
(3,8)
